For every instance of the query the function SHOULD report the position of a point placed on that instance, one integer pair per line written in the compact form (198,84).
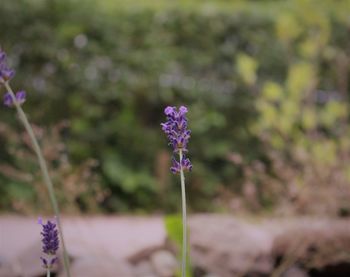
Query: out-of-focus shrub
(78,187)
(111,73)
(303,121)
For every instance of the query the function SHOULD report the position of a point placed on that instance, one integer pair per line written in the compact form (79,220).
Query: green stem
(184,218)
(48,273)
(44,171)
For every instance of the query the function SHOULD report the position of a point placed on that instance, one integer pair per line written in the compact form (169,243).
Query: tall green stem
(48,273)
(44,171)
(184,218)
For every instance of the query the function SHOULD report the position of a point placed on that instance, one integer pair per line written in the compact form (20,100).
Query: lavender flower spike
(50,243)
(176,130)
(6,73)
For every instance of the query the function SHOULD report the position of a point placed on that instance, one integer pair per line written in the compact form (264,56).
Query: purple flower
(6,73)
(185,163)
(48,263)
(20,98)
(50,243)
(176,130)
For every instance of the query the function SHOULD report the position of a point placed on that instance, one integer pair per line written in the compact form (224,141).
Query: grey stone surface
(143,268)
(7,271)
(99,267)
(118,237)
(164,263)
(295,272)
(113,238)
(220,245)
(225,246)
(27,263)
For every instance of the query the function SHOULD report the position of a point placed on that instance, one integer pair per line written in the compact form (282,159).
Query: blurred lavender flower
(6,73)
(20,98)
(50,243)
(176,130)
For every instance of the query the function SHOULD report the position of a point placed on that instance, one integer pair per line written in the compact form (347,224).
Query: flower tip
(6,73)
(8,99)
(169,110)
(183,109)
(2,56)
(44,262)
(21,96)
(40,220)
(53,261)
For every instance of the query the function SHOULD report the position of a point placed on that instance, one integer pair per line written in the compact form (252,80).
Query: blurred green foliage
(108,69)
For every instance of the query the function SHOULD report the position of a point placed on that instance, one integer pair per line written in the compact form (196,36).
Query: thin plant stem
(184,218)
(44,171)
(48,273)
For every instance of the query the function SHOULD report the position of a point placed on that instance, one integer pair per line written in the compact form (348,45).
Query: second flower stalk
(12,99)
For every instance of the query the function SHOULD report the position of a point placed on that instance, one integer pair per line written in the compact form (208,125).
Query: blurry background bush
(266,83)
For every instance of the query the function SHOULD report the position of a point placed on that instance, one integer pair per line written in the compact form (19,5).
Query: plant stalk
(44,171)
(48,273)
(184,218)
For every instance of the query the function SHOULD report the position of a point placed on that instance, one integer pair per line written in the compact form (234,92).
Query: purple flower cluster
(20,98)
(176,130)
(6,74)
(50,243)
